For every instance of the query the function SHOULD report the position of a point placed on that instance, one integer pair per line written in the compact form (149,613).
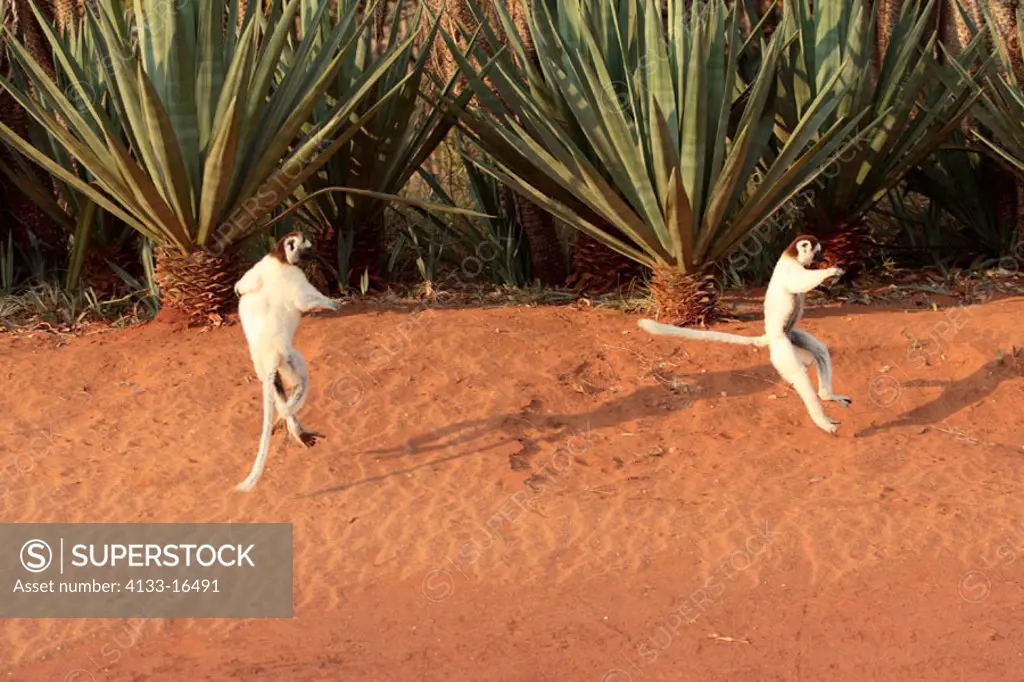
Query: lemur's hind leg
(788,363)
(281,399)
(805,343)
(280,402)
(296,373)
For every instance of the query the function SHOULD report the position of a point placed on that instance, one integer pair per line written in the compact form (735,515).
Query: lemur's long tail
(652,327)
(268,426)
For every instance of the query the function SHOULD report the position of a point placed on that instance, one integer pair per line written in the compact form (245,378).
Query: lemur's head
(293,249)
(805,249)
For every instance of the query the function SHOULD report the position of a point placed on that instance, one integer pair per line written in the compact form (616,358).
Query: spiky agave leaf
(637,132)
(498,242)
(210,134)
(38,225)
(204,130)
(1002,106)
(958,181)
(392,145)
(71,210)
(911,104)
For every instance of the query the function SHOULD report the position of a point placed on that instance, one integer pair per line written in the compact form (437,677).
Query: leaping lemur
(273,294)
(791,350)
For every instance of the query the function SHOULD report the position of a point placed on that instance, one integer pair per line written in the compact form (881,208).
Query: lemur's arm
(800,280)
(307,298)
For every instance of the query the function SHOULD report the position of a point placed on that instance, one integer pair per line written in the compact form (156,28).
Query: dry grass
(50,308)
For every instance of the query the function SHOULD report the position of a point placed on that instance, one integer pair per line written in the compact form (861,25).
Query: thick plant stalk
(367,252)
(365,258)
(887,15)
(67,14)
(547,263)
(197,287)
(686,300)
(956,34)
(598,269)
(26,216)
(888,12)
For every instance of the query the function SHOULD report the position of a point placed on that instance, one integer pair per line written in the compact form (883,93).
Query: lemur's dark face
(806,250)
(294,249)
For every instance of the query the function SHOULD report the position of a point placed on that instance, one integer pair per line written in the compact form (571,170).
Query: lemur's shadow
(646,401)
(533,425)
(957,395)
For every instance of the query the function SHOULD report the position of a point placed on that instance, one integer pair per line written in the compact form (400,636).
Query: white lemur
(273,294)
(792,350)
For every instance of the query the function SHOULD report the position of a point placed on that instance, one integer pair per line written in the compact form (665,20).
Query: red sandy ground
(682,519)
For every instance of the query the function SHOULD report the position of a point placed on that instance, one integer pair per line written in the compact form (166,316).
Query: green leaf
(664,177)
(191,119)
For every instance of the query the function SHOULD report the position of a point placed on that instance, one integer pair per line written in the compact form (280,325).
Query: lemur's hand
(838,272)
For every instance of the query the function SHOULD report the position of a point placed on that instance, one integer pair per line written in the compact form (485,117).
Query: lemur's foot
(309,438)
(827,424)
(301,435)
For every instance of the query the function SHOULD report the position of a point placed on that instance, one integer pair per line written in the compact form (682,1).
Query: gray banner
(146,570)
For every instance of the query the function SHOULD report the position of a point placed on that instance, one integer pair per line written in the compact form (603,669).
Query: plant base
(100,277)
(366,256)
(685,300)
(842,247)
(197,286)
(597,269)
(547,261)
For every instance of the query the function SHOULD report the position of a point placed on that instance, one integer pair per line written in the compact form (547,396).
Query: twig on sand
(751,376)
(720,638)
(960,434)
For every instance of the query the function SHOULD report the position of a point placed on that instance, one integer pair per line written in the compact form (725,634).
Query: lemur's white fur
(791,350)
(273,294)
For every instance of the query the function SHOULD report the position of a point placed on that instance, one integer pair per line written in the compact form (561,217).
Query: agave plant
(912,104)
(216,128)
(496,247)
(386,152)
(31,221)
(548,262)
(1002,107)
(638,130)
(958,180)
(95,239)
